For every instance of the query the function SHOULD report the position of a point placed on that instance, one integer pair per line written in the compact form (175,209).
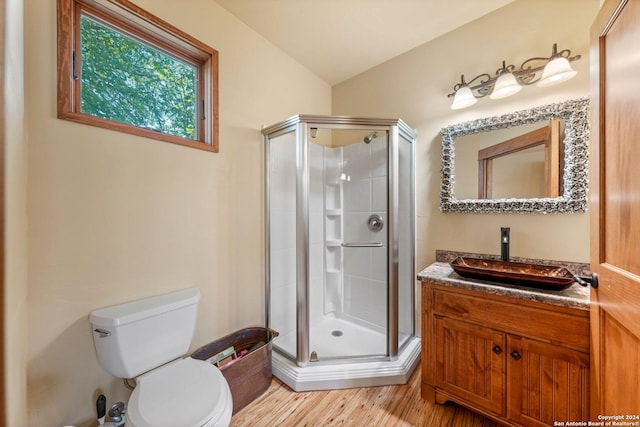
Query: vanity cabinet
(517,361)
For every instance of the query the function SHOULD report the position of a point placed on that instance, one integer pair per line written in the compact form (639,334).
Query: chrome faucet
(504,243)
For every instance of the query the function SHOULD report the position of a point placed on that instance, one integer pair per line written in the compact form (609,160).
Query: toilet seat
(186,392)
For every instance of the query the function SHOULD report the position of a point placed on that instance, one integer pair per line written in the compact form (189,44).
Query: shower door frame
(300,125)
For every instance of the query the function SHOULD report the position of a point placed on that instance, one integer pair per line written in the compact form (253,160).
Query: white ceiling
(338,39)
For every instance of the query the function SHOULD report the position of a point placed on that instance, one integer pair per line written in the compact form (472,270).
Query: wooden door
(3,160)
(546,382)
(471,363)
(615,209)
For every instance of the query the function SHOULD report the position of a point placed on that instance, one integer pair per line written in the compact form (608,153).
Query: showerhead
(369,138)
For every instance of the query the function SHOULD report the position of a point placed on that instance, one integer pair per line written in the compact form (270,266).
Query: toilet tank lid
(133,311)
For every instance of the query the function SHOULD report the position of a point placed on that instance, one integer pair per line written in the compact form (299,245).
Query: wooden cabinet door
(471,363)
(546,383)
(615,209)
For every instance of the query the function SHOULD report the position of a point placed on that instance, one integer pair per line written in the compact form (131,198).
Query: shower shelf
(333,197)
(333,231)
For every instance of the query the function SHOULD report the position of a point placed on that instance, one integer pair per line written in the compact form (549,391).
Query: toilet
(145,340)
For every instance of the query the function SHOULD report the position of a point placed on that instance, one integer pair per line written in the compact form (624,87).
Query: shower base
(329,375)
(333,337)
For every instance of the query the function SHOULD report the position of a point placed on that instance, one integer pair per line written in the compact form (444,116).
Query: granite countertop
(441,273)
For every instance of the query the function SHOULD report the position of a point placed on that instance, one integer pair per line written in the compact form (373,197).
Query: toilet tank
(138,336)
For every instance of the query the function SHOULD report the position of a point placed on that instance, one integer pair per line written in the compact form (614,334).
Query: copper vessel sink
(516,273)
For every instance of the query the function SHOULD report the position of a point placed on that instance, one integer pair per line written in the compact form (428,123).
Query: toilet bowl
(146,340)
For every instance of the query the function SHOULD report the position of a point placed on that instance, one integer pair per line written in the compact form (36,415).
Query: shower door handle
(362,245)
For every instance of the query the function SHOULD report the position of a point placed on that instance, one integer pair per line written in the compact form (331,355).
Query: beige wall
(113,217)
(15,194)
(414,86)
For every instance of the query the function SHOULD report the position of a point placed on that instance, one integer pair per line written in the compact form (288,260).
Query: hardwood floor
(384,406)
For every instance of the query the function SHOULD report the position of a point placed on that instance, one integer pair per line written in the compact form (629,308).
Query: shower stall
(340,249)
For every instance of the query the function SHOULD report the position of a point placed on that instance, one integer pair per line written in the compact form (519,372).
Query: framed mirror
(527,161)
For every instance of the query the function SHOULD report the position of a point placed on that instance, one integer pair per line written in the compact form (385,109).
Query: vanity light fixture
(507,80)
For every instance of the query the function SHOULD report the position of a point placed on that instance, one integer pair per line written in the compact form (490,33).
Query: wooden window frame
(549,136)
(128,18)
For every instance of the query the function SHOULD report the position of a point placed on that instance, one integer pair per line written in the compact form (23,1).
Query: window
(121,68)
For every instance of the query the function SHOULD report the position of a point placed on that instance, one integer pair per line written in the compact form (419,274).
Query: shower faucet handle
(375,222)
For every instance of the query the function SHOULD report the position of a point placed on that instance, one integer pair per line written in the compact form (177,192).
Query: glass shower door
(281,262)
(348,233)
(406,241)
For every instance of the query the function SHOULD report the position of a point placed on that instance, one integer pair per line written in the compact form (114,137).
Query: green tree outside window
(127,81)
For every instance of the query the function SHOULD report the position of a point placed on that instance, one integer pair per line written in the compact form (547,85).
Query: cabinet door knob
(496,349)
(515,355)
